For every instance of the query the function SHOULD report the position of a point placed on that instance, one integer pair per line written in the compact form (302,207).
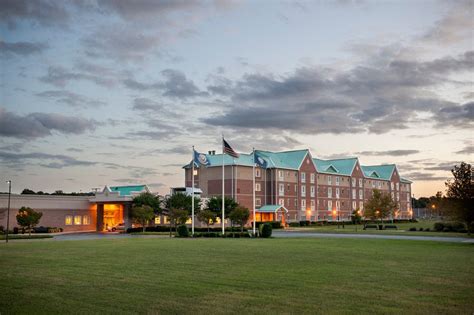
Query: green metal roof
(337,166)
(285,159)
(271,208)
(405,181)
(379,171)
(127,190)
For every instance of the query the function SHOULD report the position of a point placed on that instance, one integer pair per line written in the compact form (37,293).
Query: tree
(148,199)
(379,206)
(28,218)
(206,216)
(183,202)
(460,195)
(215,205)
(356,218)
(240,215)
(27,191)
(178,216)
(142,215)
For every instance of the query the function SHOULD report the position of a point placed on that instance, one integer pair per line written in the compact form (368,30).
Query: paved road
(291,234)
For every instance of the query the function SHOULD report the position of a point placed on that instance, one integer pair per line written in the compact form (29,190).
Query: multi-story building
(295,186)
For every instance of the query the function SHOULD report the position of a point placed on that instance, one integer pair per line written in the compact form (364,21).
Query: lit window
(189,221)
(68,220)
(158,220)
(280,175)
(361,194)
(354,205)
(338,205)
(77,220)
(361,205)
(398,186)
(86,220)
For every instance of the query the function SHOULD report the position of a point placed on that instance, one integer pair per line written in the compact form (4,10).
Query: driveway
(291,234)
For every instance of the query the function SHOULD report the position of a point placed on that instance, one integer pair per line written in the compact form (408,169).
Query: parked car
(118,228)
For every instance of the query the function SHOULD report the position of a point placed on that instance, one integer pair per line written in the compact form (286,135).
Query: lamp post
(8,209)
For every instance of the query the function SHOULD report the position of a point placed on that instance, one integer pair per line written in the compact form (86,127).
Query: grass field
(265,276)
(403,229)
(24,236)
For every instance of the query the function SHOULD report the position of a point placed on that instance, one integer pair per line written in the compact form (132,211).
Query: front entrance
(113,216)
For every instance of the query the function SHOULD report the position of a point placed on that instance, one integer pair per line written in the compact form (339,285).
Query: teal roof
(127,190)
(271,208)
(285,159)
(337,166)
(405,181)
(379,171)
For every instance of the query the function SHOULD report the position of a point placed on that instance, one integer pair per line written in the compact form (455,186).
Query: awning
(270,209)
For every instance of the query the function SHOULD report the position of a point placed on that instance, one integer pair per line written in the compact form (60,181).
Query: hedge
(182,231)
(265,230)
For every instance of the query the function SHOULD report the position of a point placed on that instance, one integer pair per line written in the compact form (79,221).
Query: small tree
(356,218)
(215,205)
(206,216)
(27,191)
(28,218)
(183,202)
(460,195)
(178,216)
(147,199)
(142,215)
(379,206)
(240,215)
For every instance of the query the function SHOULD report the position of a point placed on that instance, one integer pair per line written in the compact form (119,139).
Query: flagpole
(223,187)
(192,202)
(253,190)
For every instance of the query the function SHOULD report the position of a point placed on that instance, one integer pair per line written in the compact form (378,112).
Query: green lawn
(24,236)
(265,276)
(403,229)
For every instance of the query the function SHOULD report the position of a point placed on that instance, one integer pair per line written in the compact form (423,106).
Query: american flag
(228,149)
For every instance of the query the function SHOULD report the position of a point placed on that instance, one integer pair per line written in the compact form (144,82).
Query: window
(68,220)
(373,184)
(312,205)
(280,175)
(329,192)
(354,194)
(379,185)
(281,202)
(329,205)
(353,182)
(303,191)
(408,197)
(398,196)
(257,187)
(189,221)
(398,186)
(281,189)
(158,220)
(303,177)
(337,192)
(360,182)
(303,204)
(361,205)
(312,178)
(361,194)
(296,203)
(257,172)
(354,205)
(312,191)
(392,186)
(258,202)
(338,205)
(296,188)
(77,220)
(338,180)
(86,220)
(329,180)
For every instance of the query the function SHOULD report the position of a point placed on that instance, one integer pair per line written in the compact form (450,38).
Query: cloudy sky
(117,92)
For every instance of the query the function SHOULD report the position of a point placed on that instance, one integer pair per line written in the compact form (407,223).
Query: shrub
(412,229)
(427,229)
(420,229)
(294,224)
(182,231)
(438,226)
(15,230)
(265,230)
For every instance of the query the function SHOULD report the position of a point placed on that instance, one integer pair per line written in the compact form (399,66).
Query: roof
(271,208)
(284,159)
(379,171)
(405,181)
(336,166)
(128,190)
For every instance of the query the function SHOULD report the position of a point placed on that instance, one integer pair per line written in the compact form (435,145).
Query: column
(100,217)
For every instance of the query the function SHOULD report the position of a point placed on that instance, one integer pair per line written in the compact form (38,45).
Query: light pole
(8,209)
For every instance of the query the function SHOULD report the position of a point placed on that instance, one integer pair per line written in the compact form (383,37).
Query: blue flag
(259,160)
(200,158)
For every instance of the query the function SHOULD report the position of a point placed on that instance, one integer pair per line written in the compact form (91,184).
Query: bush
(15,230)
(294,224)
(182,231)
(438,226)
(420,229)
(412,229)
(237,235)
(265,230)
(427,229)
(275,224)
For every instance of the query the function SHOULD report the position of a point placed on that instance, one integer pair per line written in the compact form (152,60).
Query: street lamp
(8,209)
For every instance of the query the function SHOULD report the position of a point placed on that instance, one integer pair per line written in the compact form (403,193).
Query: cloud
(443,166)
(70,98)
(36,125)
(174,85)
(468,149)
(44,12)
(374,97)
(58,160)
(60,76)
(21,48)
(421,176)
(146,104)
(388,153)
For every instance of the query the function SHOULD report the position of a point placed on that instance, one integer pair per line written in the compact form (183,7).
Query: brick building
(306,188)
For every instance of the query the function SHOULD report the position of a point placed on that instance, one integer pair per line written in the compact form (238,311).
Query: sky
(117,92)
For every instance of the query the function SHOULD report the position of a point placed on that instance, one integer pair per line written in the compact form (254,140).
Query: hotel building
(295,186)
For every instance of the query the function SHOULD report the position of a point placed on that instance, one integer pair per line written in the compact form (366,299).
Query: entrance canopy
(271,209)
